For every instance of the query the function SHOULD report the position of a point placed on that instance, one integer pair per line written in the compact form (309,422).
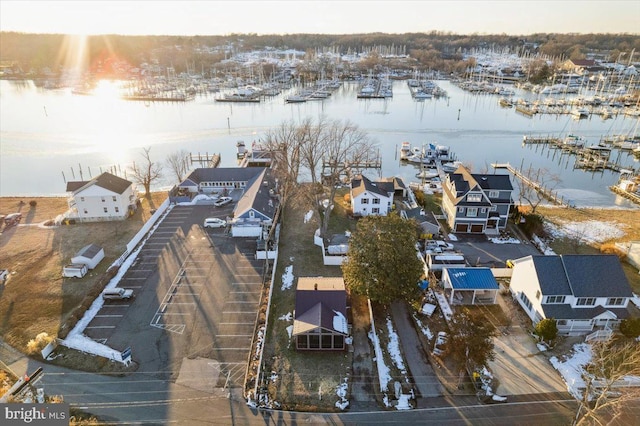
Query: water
(47,136)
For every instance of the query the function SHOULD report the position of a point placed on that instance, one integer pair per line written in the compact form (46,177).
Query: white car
(214,222)
(223,201)
(441,340)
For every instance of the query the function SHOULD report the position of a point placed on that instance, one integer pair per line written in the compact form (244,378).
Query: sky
(516,17)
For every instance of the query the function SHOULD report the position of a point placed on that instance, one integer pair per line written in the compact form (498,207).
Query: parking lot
(197,292)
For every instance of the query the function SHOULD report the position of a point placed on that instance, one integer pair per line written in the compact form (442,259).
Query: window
(105,209)
(314,341)
(615,301)
(117,209)
(555,299)
(483,210)
(103,200)
(85,211)
(327,341)
(375,210)
(472,211)
(494,194)
(81,198)
(365,201)
(586,301)
(538,294)
(302,341)
(526,301)
(493,208)
(474,198)
(376,201)
(114,198)
(460,209)
(561,322)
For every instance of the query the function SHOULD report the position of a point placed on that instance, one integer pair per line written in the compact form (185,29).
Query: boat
(427,174)
(242,150)
(580,113)
(405,150)
(573,141)
(451,167)
(506,103)
(295,99)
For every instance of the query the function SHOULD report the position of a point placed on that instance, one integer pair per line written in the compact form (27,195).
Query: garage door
(477,229)
(461,227)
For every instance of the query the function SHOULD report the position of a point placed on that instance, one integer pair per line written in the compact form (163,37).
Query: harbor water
(48,137)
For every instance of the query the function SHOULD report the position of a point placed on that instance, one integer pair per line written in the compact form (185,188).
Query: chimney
(315,286)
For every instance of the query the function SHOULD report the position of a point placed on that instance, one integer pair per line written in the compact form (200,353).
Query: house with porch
(214,181)
(375,198)
(476,203)
(320,317)
(105,197)
(582,293)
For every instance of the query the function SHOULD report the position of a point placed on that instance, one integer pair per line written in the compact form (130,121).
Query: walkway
(424,378)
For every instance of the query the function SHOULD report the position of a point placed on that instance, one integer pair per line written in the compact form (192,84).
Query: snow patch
(403,402)
(572,368)
(308,216)
(341,391)
(287,278)
(591,231)
(452,237)
(393,347)
(425,329)
(286,317)
(289,331)
(504,240)
(384,373)
(340,322)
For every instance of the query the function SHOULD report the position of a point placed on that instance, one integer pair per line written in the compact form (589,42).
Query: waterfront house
(476,203)
(320,317)
(105,197)
(582,293)
(254,212)
(214,181)
(374,198)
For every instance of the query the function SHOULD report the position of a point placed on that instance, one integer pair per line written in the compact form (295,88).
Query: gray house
(476,203)
(582,293)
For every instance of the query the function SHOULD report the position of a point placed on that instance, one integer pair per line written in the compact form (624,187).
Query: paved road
(422,374)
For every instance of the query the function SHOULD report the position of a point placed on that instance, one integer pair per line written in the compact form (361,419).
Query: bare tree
(284,143)
(607,392)
(346,147)
(532,192)
(146,172)
(313,145)
(178,163)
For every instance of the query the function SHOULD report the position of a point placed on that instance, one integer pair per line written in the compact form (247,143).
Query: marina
(73,129)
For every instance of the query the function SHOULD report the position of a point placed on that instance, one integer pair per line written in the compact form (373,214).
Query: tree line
(433,50)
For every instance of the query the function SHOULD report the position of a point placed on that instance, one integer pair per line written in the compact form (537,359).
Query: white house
(90,255)
(374,198)
(255,210)
(581,292)
(105,197)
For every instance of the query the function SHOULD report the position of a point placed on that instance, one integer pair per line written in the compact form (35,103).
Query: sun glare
(106,89)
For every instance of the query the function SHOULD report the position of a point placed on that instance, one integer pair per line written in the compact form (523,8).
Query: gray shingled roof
(494,181)
(362,184)
(551,275)
(565,311)
(89,251)
(106,180)
(224,174)
(596,276)
(256,195)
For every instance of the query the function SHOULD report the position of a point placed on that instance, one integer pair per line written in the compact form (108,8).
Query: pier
(626,194)
(205,160)
(545,192)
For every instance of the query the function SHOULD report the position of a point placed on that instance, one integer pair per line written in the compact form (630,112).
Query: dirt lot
(36,298)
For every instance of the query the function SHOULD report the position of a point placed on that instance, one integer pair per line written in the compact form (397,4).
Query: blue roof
(472,279)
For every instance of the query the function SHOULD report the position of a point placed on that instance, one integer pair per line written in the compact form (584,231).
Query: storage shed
(90,255)
(470,286)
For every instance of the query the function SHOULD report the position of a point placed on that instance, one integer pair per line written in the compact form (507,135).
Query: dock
(205,160)
(545,192)
(626,194)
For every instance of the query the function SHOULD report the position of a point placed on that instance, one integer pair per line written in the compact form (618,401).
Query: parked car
(12,219)
(223,201)
(3,275)
(438,246)
(441,341)
(214,222)
(117,293)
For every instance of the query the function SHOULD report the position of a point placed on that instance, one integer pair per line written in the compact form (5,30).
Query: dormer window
(474,198)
